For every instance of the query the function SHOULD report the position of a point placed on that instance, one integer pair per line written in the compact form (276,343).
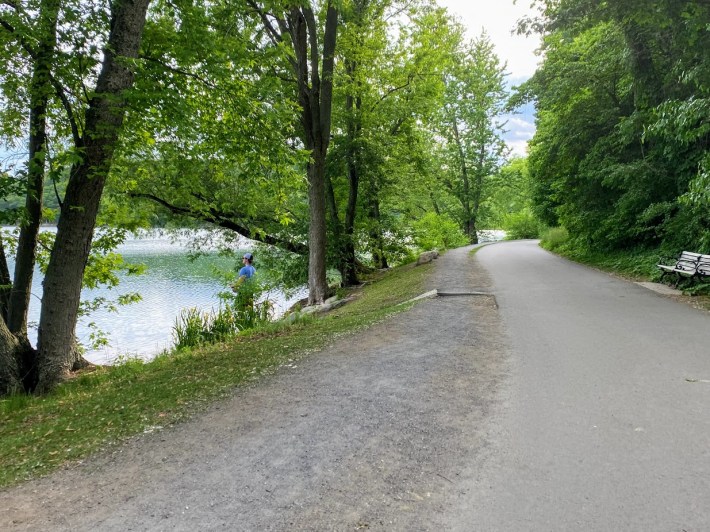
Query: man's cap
(248,256)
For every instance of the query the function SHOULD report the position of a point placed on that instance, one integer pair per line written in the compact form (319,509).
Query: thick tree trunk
(471,230)
(10,380)
(40,90)
(317,286)
(104,118)
(314,73)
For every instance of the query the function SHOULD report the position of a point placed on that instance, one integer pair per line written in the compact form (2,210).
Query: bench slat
(688,265)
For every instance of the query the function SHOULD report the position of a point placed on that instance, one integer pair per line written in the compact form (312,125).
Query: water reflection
(171,283)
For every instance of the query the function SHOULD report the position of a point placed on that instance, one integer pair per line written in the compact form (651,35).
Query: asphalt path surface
(564,400)
(607,421)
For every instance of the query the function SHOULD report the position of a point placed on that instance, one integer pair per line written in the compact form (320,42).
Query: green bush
(521,224)
(438,231)
(554,237)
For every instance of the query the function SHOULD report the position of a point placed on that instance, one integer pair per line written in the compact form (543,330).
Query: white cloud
(520,127)
(518,147)
(499,18)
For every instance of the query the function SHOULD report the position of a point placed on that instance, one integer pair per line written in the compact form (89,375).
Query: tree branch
(174,70)
(312,32)
(329,42)
(274,35)
(67,107)
(226,221)
(23,42)
(59,89)
(391,91)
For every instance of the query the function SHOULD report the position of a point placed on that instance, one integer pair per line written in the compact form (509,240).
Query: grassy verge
(101,408)
(637,266)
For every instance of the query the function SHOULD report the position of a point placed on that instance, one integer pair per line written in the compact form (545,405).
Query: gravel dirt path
(372,433)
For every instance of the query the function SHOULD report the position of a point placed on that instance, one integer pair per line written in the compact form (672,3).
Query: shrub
(521,224)
(554,237)
(438,231)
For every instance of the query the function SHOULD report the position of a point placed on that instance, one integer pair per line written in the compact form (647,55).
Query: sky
(498,18)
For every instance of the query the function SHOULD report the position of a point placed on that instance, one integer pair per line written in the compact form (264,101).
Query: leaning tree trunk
(40,89)
(62,284)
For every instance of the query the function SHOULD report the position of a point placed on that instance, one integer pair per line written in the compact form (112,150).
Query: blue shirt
(247,271)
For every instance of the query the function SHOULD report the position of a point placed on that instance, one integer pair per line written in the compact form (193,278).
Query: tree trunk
(353,106)
(469,218)
(40,90)
(479,174)
(471,230)
(5,284)
(337,238)
(344,234)
(10,380)
(377,242)
(104,118)
(317,286)
(647,87)
(314,73)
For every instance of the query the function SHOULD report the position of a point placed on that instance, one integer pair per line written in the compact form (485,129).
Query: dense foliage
(620,157)
(341,134)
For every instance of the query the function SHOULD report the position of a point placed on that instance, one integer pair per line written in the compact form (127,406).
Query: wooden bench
(687,265)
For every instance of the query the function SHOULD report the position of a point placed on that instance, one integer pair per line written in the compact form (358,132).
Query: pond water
(171,283)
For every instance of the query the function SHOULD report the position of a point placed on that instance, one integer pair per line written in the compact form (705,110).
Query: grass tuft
(554,238)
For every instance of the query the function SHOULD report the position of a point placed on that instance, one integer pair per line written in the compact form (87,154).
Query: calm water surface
(171,283)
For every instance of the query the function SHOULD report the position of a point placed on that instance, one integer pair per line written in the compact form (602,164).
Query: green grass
(553,237)
(634,265)
(101,408)
(638,265)
(477,248)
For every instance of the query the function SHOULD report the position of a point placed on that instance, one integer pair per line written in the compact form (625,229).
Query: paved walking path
(606,423)
(569,401)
